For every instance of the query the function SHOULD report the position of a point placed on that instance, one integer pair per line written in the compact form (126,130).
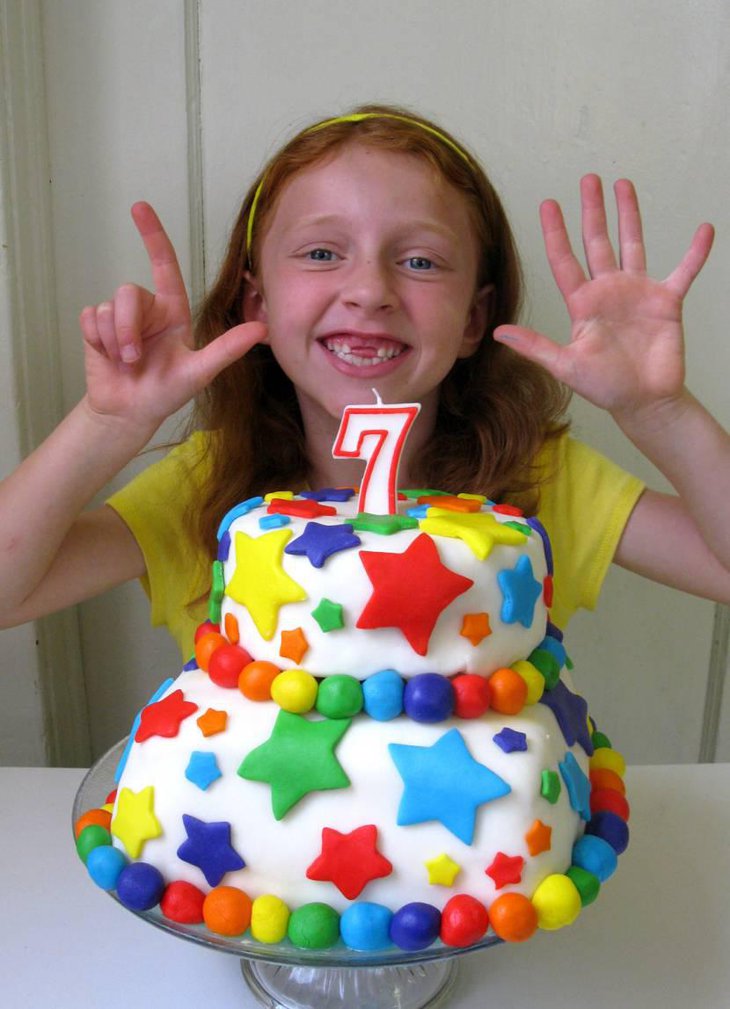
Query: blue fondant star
(571,713)
(224,546)
(202,769)
(209,847)
(578,785)
(237,511)
(520,591)
(329,494)
(319,541)
(510,740)
(273,521)
(443,782)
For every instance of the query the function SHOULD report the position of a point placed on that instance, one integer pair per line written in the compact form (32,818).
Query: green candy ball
(91,837)
(314,926)
(585,883)
(339,696)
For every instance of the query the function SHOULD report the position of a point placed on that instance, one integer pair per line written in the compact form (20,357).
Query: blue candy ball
(415,926)
(611,828)
(366,926)
(383,695)
(428,697)
(140,886)
(595,855)
(104,865)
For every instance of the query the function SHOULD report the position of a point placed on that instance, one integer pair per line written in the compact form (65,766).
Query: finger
(534,346)
(630,232)
(566,269)
(166,275)
(225,349)
(600,256)
(130,302)
(87,322)
(681,279)
(106,329)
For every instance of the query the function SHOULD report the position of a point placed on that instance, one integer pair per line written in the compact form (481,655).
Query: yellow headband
(355,117)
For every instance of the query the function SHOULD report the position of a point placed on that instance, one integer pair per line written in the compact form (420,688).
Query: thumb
(534,346)
(227,348)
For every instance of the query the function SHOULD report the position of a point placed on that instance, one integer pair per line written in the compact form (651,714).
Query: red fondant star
(410,590)
(505,869)
(350,861)
(305,509)
(163,718)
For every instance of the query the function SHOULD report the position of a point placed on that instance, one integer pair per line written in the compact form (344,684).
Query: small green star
(297,758)
(384,525)
(328,615)
(550,786)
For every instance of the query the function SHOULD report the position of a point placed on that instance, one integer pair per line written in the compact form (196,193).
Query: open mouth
(363,351)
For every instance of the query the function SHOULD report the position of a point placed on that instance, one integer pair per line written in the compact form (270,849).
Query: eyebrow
(411,226)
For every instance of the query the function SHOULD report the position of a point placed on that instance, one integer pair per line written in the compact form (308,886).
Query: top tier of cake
(450,584)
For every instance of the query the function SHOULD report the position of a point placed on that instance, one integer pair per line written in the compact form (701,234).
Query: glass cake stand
(282,976)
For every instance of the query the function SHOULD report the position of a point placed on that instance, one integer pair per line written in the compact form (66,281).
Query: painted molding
(717,674)
(29,286)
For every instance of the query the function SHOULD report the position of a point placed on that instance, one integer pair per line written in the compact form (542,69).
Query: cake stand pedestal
(282,976)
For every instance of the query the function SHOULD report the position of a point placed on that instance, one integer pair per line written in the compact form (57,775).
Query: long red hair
(495,409)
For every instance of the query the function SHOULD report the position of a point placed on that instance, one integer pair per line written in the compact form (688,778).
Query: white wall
(542,92)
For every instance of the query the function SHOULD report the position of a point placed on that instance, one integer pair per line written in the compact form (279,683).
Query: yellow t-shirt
(584,506)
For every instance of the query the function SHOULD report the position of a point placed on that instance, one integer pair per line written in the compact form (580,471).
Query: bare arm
(141,367)
(626,355)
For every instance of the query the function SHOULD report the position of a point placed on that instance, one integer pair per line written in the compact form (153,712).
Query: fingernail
(129,353)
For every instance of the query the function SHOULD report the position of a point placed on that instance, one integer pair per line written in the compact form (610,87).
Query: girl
(373,251)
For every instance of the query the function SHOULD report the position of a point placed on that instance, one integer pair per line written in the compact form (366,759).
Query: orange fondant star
(538,837)
(230,625)
(212,722)
(294,645)
(451,503)
(475,627)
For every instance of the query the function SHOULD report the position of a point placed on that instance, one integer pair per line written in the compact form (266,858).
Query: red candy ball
(472,695)
(183,902)
(206,628)
(606,800)
(464,920)
(225,665)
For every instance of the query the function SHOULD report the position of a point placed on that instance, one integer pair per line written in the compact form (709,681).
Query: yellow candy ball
(556,901)
(294,690)
(533,678)
(606,759)
(269,919)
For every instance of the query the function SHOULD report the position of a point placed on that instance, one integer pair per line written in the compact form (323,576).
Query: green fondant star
(423,492)
(479,530)
(384,525)
(260,583)
(297,758)
(328,615)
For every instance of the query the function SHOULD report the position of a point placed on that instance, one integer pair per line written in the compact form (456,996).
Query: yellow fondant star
(475,627)
(442,870)
(260,583)
(135,822)
(479,531)
(287,495)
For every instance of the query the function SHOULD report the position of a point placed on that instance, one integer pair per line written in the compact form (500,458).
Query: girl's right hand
(141,365)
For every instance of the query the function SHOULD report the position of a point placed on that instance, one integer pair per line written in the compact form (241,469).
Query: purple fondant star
(209,847)
(571,712)
(319,541)
(329,494)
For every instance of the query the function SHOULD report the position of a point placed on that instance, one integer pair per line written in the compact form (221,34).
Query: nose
(369,285)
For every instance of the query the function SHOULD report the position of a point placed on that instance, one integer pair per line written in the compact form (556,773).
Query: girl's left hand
(626,349)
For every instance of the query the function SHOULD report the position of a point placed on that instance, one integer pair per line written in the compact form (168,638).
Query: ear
(254,303)
(476,322)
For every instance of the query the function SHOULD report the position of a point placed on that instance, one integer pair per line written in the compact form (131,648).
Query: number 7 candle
(376,433)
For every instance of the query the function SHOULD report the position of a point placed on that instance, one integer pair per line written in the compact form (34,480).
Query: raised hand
(139,354)
(626,349)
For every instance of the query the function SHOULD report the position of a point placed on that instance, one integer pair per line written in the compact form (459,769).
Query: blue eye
(420,263)
(321,255)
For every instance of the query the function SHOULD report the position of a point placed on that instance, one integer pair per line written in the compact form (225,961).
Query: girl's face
(368,280)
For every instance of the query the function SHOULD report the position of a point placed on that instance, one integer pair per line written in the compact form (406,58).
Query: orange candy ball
(94,817)
(206,645)
(227,910)
(604,778)
(509,691)
(256,679)
(513,917)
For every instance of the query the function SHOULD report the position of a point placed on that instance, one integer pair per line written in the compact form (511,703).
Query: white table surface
(658,936)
